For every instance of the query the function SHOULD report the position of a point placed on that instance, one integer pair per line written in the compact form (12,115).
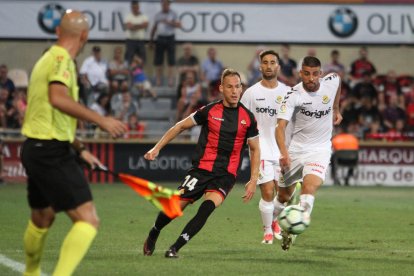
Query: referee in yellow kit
(55,179)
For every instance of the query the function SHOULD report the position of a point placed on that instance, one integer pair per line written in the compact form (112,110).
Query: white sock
(306,201)
(266,211)
(278,207)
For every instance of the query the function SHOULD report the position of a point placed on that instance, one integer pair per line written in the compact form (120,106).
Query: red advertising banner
(13,170)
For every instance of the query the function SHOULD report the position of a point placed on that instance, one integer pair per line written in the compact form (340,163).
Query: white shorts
(269,170)
(145,85)
(302,164)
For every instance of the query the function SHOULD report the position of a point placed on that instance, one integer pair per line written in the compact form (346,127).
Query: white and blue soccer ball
(294,219)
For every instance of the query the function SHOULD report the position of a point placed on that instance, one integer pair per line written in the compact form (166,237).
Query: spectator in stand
(406,84)
(94,74)
(211,68)
(368,113)
(188,62)
(361,66)
(136,128)
(288,73)
(136,24)
(118,72)
(100,106)
(15,114)
(254,66)
(213,91)
(355,129)
(20,101)
(365,88)
(346,93)
(388,88)
(410,116)
(350,111)
(6,82)
(397,132)
(190,96)
(4,106)
(140,80)
(335,66)
(123,105)
(165,23)
(375,131)
(392,113)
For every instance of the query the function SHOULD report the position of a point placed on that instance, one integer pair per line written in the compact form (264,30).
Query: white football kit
(311,117)
(264,103)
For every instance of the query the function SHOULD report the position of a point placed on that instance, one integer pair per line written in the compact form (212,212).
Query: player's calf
(151,240)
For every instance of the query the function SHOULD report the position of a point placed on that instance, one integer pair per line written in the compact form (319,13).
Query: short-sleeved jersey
(264,103)
(223,137)
(42,120)
(135,20)
(311,114)
(163,28)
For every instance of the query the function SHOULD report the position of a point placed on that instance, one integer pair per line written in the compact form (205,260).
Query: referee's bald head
(73,23)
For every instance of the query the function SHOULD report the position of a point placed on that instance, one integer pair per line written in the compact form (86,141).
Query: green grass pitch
(354,231)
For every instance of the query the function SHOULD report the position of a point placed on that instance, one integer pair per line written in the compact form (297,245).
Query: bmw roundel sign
(343,22)
(49,17)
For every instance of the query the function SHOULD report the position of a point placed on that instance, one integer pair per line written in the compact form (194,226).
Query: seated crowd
(374,106)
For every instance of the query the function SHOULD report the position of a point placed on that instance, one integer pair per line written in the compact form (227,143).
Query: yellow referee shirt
(41,120)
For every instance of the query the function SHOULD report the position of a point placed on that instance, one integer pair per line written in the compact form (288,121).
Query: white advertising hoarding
(225,22)
(384,166)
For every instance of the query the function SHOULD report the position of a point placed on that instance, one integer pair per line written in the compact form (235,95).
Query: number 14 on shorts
(189,182)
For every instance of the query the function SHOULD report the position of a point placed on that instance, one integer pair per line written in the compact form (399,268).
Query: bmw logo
(49,17)
(343,22)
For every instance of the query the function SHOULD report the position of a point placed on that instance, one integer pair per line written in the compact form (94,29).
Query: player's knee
(267,195)
(96,222)
(43,218)
(283,197)
(92,220)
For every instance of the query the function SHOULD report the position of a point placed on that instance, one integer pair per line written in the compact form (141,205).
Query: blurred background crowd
(375,106)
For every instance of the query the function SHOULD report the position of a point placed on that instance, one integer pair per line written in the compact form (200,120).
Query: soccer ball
(294,219)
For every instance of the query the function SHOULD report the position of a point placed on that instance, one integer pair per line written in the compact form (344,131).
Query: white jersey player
(312,107)
(263,100)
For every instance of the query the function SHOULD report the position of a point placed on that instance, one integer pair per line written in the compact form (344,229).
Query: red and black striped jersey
(223,137)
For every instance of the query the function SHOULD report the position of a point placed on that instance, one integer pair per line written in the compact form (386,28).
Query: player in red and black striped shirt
(227,126)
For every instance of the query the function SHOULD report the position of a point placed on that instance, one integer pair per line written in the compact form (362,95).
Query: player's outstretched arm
(173,132)
(59,99)
(250,187)
(284,160)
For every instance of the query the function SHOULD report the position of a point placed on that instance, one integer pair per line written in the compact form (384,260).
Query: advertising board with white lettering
(171,164)
(388,166)
(378,165)
(223,22)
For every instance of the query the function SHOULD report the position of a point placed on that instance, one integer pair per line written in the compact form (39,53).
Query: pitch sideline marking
(12,264)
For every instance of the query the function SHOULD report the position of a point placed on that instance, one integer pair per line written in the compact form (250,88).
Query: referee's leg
(34,238)
(79,239)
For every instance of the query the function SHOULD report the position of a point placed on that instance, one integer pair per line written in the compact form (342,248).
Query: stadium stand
(159,114)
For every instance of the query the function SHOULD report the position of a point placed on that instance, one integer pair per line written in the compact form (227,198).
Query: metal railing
(90,134)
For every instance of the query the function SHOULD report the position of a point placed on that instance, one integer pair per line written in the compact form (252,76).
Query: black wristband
(81,148)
